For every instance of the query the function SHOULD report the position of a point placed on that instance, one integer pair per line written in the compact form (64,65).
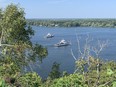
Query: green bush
(30,80)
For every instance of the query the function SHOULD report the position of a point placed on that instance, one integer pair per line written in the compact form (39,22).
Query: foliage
(30,80)
(21,80)
(55,73)
(106,75)
(15,36)
(81,65)
(16,48)
(2,83)
(90,76)
(73,22)
(114,84)
(73,80)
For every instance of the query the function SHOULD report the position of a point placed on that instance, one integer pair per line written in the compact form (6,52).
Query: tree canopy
(16,47)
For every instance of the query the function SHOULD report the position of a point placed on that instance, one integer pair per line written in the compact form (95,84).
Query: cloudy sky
(65,8)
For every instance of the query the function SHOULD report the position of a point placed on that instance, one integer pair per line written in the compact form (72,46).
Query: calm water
(62,55)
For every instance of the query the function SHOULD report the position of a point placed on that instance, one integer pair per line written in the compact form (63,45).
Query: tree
(16,48)
(0,20)
(14,27)
(55,73)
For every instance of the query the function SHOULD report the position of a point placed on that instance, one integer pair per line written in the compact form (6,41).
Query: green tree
(55,72)
(0,20)
(16,48)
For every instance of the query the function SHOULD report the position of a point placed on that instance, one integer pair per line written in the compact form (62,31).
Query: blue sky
(65,8)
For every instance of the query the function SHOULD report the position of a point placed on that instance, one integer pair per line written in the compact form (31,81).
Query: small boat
(62,43)
(49,35)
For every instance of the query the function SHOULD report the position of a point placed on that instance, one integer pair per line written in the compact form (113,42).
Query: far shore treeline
(73,22)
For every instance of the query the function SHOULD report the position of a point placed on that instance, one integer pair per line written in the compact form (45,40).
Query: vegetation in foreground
(17,52)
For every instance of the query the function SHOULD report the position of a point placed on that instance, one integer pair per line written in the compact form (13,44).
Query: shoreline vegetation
(110,23)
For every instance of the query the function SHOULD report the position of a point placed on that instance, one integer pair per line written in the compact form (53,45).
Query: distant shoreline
(103,23)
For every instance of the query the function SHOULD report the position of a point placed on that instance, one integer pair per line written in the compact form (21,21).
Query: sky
(65,8)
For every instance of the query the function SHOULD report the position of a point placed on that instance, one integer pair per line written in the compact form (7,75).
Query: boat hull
(60,45)
(49,36)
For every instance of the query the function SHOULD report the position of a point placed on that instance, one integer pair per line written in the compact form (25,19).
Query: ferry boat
(62,43)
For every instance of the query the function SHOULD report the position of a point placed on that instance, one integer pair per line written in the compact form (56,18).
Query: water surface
(62,55)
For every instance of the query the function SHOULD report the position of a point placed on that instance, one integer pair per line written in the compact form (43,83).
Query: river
(62,55)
